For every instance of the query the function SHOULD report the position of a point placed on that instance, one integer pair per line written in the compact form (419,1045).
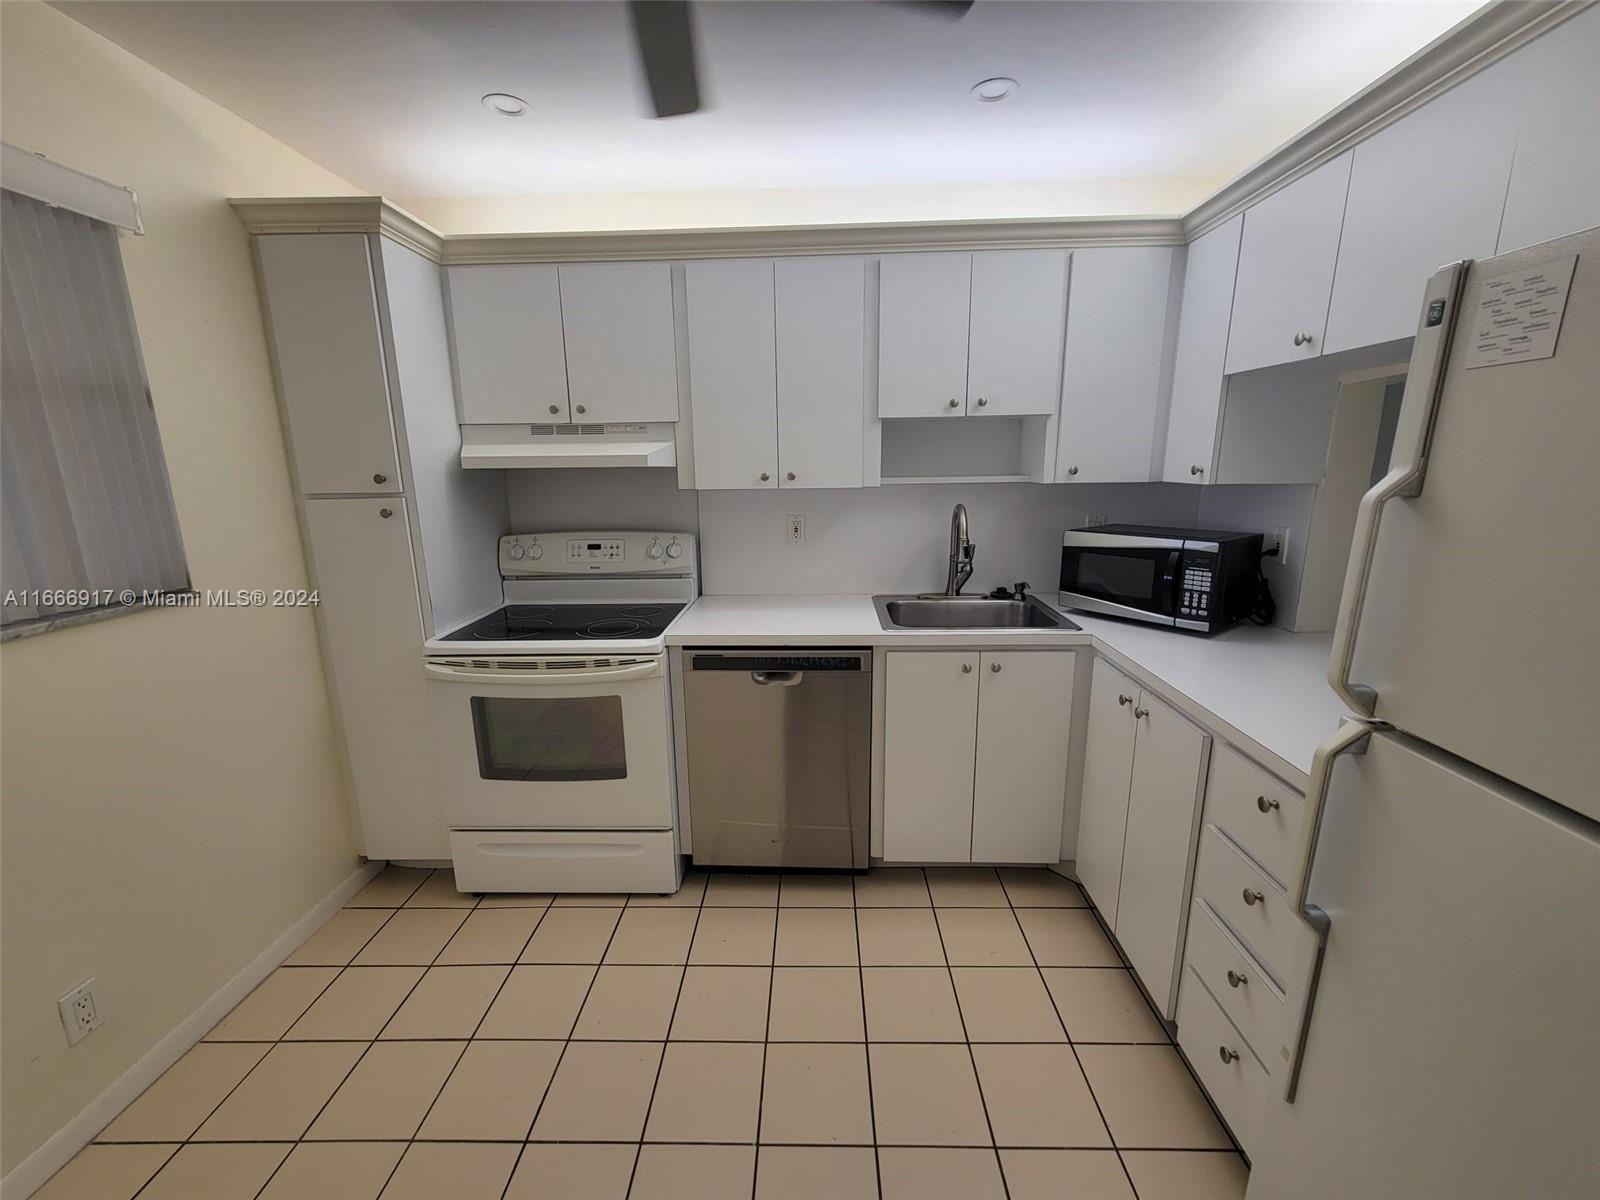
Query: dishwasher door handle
(778,678)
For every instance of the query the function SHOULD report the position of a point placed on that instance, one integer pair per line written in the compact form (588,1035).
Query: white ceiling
(798,95)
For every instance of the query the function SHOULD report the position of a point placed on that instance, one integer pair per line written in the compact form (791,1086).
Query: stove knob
(536,552)
(516,551)
(674,551)
(653,550)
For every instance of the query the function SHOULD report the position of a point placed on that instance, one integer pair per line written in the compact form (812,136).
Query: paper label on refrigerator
(1519,312)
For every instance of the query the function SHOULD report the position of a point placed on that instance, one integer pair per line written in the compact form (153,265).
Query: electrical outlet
(80,1012)
(797,529)
(1093,519)
(1281,537)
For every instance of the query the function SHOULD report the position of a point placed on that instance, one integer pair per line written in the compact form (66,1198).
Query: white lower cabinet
(1136,838)
(975,755)
(1234,1078)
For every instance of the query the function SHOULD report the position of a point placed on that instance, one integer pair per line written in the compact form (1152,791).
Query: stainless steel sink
(965,612)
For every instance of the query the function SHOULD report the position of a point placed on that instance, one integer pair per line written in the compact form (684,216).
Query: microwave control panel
(1199,572)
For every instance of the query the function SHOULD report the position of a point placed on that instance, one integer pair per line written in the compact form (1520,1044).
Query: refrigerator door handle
(1352,738)
(1419,408)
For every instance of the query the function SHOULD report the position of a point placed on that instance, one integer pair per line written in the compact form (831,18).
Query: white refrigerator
(1450,865)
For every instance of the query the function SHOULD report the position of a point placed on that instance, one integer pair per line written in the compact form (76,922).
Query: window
(89,526)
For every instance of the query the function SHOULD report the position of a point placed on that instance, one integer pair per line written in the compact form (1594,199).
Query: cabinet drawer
(1254,809)
(1224,878)
(537,860)
(1238,1086)
(1251,1000)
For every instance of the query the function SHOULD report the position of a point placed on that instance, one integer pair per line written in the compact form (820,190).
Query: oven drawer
(1257,811)
(538,860)
(1236,981)
(1253,908)
(1237,1084)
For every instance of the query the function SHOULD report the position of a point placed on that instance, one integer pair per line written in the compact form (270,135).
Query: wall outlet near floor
(797,529)
(1093,519)
(80,1011)
(1280,538)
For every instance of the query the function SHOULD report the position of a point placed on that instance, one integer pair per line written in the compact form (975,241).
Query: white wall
(1262,507)
(173,798)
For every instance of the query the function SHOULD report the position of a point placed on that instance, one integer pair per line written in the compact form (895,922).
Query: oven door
(552,743)
(1121,575)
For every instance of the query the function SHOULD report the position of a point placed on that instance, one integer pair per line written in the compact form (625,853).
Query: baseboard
(30,1174)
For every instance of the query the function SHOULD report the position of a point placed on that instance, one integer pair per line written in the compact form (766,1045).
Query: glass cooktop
(569,622)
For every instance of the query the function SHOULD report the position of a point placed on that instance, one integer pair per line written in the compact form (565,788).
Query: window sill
(88,616)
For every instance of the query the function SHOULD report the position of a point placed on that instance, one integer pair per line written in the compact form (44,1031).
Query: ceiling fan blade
(666,50)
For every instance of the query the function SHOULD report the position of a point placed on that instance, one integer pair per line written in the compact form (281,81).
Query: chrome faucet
(961,552)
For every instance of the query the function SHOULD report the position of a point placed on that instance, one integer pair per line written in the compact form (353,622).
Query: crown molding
(339,214)
(1483,38)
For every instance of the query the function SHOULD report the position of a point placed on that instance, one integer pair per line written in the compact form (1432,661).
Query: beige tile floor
(906,1034)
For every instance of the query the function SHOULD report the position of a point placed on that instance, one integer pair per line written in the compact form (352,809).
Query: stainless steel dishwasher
(780,747)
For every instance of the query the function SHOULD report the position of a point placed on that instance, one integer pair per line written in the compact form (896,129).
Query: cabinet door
(1169,761)
(923,304)
(1019,310)
(930,725)
(1024,724)
(1555,179)
(1291,241)
(821,330)
(1427,190)
(732,390)
(1195,419)
(505,334)
(329,354)
(1111,387)
(622,355)
(1107,775)
(372,635)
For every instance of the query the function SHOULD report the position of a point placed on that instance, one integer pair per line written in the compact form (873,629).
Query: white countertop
(1263,688)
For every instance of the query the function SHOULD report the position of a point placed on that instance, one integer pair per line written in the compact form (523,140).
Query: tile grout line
(866,1034)
(766,1041)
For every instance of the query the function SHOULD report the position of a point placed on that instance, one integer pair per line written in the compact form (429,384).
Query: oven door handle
(585,675)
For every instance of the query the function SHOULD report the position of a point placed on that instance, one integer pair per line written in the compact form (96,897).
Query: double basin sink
(966,612)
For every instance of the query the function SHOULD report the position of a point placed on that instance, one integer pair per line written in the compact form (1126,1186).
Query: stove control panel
(582,552)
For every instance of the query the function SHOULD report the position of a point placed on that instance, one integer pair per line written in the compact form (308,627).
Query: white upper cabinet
(1113,378)
(329,354)
(1291,241)
(1428,190)
(733,393)
(923,306)
(1195,419)
(505,326)
(1555,178)
(1019,300)
(821,332)
(621,350)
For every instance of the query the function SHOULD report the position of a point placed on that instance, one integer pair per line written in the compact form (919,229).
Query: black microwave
(1198,579)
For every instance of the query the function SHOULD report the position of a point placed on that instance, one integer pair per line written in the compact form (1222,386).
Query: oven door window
(567,739)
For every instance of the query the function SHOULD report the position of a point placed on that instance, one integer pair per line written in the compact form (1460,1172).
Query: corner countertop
(1263,688)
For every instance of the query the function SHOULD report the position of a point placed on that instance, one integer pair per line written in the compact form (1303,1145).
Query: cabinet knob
(1072,470)
(1227,1055)
(966,668)
(955,404)
(1236,980)
(765,477)
(1266,804)
(1303,339)
(790,476)
(982,403)
(994,668)
(386,513)
(582,409)
(1197,470)
(1140,712)
(1251,896)
(555,408)
(1124,699)
(380,479)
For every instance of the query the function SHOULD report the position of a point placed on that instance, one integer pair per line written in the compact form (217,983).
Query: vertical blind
(88,517)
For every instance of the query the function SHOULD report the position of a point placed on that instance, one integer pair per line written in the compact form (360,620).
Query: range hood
(637,444)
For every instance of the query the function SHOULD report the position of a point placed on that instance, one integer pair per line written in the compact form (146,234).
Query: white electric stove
(551,717)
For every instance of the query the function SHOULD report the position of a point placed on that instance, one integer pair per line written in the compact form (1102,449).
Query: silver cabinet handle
(1121,699)
(765,476)
(1140,712)
(582,409)
(1236,980)
(1197,469)
(1353,737)
(555,408)
(1302,339)
(1251,896)
(386,513)
(1408,466)
(1267,803)
(982,403)
(1227,1055)
(1072,470)
(966,668)
(790,476)
(955,404)
(994,667)
(380,478)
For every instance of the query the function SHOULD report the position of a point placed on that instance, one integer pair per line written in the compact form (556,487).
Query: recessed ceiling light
(992,91)
(506,104)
